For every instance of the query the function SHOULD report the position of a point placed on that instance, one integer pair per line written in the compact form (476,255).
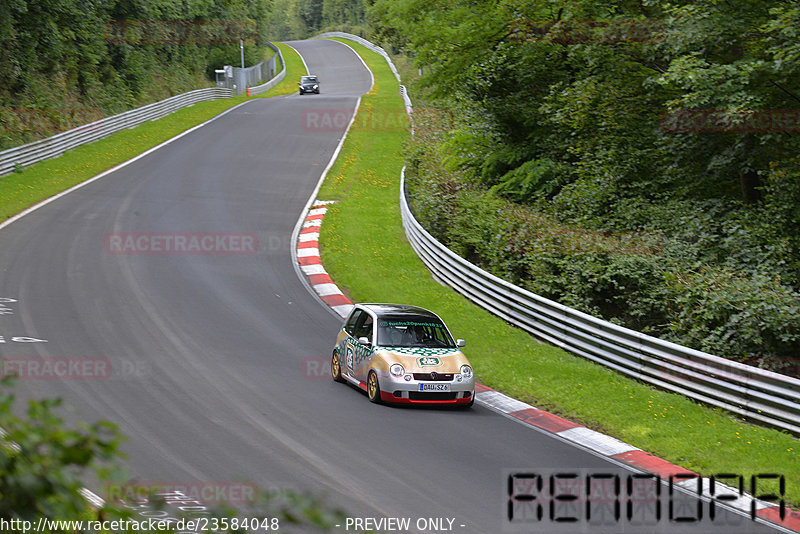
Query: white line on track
(303,213)
(117,167)
(301,57)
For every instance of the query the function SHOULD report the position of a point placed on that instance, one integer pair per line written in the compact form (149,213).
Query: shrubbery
(638,163)
(716,278)
(65,64)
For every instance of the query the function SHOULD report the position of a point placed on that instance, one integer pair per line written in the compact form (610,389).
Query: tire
(468,405)
(373,388)
(336,368)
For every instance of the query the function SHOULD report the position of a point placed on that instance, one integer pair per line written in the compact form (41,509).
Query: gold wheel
(373,389)
(336,368)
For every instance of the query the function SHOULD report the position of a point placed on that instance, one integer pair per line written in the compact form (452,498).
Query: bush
(709,272)
(533,179)
(44,463)
(751,319)
(640,280)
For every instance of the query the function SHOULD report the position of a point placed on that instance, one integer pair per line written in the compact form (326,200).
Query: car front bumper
(396,389)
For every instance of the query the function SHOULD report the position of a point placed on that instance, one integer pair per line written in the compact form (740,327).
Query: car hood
(425,360)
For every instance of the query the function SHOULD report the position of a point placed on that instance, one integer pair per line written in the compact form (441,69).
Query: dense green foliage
(298,19)
(636,160)
(42,461)
(67,62)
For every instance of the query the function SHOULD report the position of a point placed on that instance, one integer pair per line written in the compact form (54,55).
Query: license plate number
(434,387)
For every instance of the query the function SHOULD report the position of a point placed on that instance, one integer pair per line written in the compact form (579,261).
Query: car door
(358,358)
(349,341)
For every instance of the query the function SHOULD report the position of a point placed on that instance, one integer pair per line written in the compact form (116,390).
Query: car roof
(382,309)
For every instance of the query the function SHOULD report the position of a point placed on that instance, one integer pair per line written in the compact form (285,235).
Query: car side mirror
(363,341)
(460,343)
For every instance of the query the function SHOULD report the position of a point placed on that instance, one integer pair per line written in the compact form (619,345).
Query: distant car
(309,84)
(402,354)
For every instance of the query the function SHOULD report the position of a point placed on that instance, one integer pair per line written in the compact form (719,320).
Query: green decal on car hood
(423,351)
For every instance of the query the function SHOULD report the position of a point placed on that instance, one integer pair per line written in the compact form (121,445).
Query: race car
(309,84)
(402,354)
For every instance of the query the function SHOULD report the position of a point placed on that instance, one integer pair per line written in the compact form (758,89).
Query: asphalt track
(211,379)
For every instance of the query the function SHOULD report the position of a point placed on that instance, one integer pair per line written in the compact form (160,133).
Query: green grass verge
(364,248)
(42,180)
(294,69)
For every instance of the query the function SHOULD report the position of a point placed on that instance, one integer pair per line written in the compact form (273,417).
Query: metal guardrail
(378,50)
(257,90)
(360,40)
(764,396)
(56,145)
(245,79)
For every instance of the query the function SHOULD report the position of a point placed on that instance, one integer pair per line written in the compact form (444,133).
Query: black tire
(373,388)
(336,368)
(468,405)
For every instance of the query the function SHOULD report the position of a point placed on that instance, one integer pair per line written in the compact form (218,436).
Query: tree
(44,464)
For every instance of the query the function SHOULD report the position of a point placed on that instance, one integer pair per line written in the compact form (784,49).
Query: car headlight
(315,86)
(397,369)
(466,371)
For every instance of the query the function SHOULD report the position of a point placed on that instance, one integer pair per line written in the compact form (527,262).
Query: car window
(364,328)
(413,332)
(350,325)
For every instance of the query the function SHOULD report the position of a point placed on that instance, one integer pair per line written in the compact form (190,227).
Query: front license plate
(434,387)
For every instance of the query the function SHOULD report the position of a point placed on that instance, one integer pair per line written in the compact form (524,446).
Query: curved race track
(211,381)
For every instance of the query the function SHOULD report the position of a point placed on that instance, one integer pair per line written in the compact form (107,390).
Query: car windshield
(405,331)
(308,79)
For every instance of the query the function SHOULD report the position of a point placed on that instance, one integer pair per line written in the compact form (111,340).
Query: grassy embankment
(364,248)
(44,179)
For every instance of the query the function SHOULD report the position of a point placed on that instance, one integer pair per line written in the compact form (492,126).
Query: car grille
(432,395)
(439,377)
